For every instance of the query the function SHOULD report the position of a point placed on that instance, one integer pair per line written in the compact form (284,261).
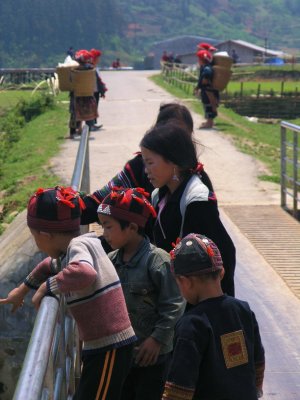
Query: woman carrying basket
(82,108)
(209,96)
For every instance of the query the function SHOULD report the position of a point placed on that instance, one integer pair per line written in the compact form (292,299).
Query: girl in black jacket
(133,173)
(184,197)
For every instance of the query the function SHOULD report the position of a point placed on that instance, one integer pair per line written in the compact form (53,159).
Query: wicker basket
(222,61)
(65,81)
(221,77)
(84,82)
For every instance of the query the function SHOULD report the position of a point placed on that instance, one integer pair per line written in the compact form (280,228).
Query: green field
(260,140)
(249,80)
(252,87)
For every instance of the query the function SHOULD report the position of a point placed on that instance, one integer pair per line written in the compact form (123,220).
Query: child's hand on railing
(39,295)
(16,297)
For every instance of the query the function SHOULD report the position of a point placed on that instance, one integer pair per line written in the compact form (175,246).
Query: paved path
(130,109)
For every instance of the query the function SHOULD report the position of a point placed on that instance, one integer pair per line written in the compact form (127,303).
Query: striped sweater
(93,293)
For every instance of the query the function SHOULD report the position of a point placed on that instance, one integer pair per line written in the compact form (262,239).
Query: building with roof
(181,45)
(247,52)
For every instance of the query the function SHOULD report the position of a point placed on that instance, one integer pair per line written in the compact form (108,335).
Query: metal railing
(290,185)
(24,75)
(52,362)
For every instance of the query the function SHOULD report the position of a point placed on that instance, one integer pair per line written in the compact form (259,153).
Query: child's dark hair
(178,112)
(207,276)
(173,143)
(124,224)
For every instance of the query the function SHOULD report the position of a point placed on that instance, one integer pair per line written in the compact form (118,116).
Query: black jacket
(218,352)
(200,217)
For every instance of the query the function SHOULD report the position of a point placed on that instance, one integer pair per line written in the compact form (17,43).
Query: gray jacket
(152,296)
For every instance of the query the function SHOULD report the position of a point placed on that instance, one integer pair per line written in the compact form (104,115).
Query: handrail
(52,361)
(290,186)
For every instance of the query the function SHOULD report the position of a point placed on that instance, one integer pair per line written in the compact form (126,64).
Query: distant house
(184,46)
(247,52)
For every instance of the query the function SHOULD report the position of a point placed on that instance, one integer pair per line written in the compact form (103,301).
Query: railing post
(295,173)
(283,167)
(38,348)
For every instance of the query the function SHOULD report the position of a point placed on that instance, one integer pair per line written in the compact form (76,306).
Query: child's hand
(16,297)
(148,352)
(39,294)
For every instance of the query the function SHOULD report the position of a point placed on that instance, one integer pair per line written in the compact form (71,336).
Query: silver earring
(175,177)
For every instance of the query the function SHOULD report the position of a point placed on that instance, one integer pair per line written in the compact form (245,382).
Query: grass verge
(260,140)
(26,166)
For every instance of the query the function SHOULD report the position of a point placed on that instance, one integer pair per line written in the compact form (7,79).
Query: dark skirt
(82,109)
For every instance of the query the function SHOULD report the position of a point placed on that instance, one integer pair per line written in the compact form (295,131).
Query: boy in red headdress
(79,269)
(152,296)
(209,96)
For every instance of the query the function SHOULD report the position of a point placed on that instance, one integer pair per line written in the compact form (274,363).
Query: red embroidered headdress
(205,55)
(206,46)
(128,205)
(55,209)
(195,254)
(95,53)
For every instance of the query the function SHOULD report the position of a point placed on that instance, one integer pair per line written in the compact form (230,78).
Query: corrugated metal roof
(254,47)
(194,37)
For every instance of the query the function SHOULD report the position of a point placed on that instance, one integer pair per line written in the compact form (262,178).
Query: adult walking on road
(82,108)
(183,202)
(100,87)
(209,96)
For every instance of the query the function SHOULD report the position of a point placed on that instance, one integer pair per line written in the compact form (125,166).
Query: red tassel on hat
(39,191)
(198,169)
(206,46)
(205,55)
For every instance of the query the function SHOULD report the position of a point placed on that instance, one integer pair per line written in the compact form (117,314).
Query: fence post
(242,89)
(258,91)
(282,88)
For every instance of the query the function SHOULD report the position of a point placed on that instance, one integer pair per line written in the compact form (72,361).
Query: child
(90,284)
(218,352)
(152,296)
(209,96)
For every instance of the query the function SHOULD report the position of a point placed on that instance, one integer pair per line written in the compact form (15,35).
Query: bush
(34,107)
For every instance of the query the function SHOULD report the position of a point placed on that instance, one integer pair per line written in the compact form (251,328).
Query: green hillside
(35,33)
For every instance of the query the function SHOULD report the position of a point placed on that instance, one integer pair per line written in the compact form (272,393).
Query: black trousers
(103,374)
(208,108)
(145,383)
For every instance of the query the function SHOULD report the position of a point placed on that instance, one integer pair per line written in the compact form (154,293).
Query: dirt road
(130,108)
